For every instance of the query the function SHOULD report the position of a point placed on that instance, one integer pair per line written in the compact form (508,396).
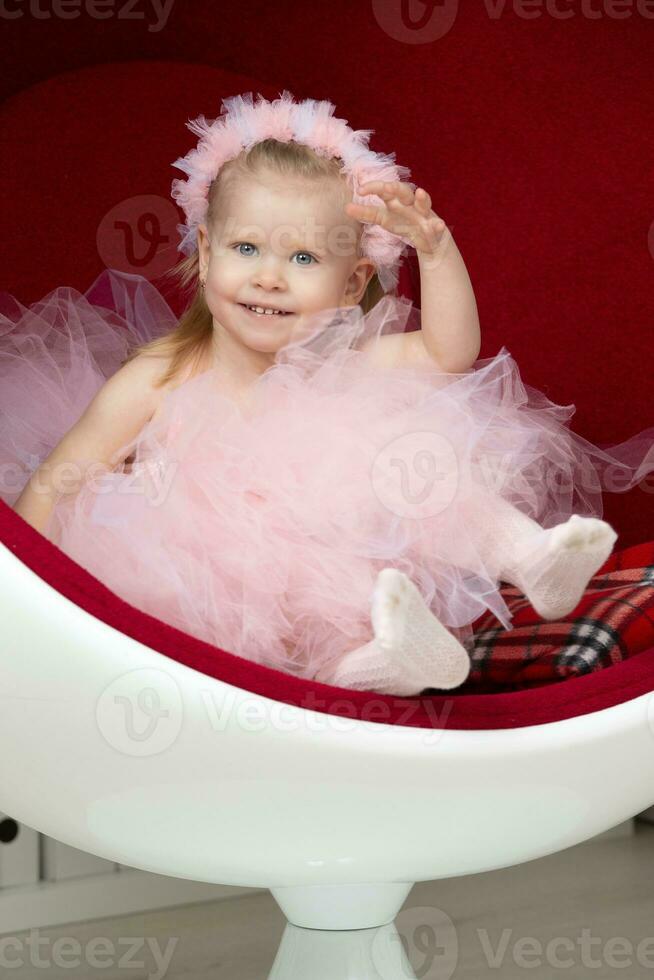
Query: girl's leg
(411,650)
(551,566)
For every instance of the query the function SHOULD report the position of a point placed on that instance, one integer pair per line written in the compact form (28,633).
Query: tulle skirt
(261,529)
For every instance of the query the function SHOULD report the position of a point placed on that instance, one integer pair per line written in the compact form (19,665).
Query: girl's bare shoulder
(139,380)
(153,368)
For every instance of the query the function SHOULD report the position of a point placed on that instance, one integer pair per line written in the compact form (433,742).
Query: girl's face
(284,247)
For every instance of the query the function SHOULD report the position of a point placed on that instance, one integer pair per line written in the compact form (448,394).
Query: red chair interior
(553,702)
(531,206)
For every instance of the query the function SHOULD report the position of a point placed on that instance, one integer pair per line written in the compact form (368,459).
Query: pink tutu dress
(262,529)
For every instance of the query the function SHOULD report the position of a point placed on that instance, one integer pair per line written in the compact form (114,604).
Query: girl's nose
(269,274)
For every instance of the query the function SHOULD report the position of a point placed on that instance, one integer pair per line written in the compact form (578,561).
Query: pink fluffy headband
(243,123)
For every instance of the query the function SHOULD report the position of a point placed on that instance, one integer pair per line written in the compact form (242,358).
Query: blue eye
(247,245)
(241,245)
(309,255)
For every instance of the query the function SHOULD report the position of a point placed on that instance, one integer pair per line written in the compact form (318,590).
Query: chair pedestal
(359,954)
(339,907)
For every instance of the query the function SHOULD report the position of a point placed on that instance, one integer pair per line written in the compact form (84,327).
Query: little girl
(307,470)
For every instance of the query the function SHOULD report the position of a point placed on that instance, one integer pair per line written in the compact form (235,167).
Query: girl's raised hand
(404,212)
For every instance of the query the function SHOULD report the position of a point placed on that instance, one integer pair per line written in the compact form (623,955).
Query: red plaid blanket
(614,620)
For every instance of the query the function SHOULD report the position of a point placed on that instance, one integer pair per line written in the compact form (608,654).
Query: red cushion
(577,696)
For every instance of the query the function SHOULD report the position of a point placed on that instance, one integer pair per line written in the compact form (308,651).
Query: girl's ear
(358,281)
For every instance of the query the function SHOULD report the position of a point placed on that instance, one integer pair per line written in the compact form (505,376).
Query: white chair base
(339,907)
(366,954)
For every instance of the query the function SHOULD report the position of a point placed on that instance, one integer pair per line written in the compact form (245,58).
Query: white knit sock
(411,651)
(551,566)
(557,572)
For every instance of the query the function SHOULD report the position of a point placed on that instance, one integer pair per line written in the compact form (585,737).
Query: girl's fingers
(404,212)
(369,212)
(387,217)
(405,225)
(397,198)
(403,192)
(423,200)
(372,187)
(387,189)
(359,209)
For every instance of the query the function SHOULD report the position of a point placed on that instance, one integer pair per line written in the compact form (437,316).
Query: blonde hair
(192,335)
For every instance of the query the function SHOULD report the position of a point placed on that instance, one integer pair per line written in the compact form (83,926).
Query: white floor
(594,905)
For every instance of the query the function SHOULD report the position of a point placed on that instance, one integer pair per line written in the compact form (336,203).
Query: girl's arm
(450,333)
(117,413)
(448,310)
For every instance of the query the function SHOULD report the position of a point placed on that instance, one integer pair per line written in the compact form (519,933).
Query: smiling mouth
(260,311)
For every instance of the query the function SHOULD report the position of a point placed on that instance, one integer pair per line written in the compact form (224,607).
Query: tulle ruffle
(56,354)
(261,529)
